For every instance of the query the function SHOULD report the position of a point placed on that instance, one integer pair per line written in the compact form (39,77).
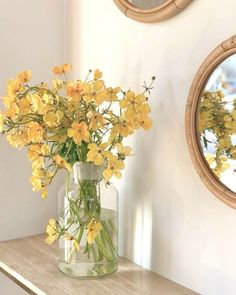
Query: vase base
(88,270)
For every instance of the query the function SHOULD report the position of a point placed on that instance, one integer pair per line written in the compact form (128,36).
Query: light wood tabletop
(32,264)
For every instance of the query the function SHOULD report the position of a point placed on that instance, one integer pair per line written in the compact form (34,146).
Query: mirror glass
(216,122)
(147,4)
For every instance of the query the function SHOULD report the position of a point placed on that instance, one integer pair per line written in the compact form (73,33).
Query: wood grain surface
(32,264)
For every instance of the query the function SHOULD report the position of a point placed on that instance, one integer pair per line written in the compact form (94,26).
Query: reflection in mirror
(216,121)
(147,4)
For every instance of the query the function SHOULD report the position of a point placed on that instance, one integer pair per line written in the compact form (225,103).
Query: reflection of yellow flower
(222,165)
(224,142)
(96,153)
(231,123)
(62,162)
(79,132)
(51,231)
(34,132)
(52,118)
(62,69)
(93,229)
(113,168)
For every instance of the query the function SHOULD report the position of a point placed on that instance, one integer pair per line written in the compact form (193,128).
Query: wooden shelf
(32,264)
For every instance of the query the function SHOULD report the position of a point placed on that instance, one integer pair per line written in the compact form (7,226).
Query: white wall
(31,34)
(31,38)
(169,221)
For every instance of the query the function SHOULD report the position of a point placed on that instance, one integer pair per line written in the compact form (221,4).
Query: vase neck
(87,171)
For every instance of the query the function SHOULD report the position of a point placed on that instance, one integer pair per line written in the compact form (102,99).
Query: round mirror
(211,122)
(148,4)
(151,10)
(216,122)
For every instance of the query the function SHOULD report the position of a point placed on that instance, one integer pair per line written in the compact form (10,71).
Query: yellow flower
(97,74)
(36,181)
(79,132)
(96,120)
(60,138)
(17,139)
(57,84)
(24,105)
(144,108)
(2,118)
(51,231)
(94,91)
(75,90)
(37,103)
(62,162)
(93,229)
(123,151)
(96,153)
(12,112)
(34,132)
(113,168)
(124,128)
(112,93)
(52,118)
(62,69)
(44,193)
(40,179)
(8,101)
(24,77)
(142,120)
(48,99)
(36,151)
(132,101)
(14,87)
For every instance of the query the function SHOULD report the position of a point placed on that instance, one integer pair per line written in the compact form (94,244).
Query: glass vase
(88,223)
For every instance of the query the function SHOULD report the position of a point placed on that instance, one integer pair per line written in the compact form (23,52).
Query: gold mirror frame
(162,12)
(222,52)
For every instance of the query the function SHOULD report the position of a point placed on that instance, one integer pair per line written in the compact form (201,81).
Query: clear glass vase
(88,221)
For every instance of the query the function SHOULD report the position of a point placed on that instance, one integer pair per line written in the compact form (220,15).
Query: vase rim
(89,171)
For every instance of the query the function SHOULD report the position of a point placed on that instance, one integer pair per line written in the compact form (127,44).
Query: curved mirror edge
(147,4)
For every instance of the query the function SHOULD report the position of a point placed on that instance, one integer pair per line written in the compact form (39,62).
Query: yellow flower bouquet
(217,125)
(78,126)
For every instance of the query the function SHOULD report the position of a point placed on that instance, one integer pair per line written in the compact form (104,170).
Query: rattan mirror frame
(160,13)
(223,51)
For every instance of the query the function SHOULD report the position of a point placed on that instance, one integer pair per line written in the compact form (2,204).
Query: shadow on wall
(136,204)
